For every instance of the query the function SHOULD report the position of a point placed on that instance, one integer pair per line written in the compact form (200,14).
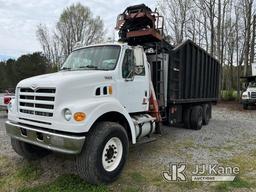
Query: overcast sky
(19,18)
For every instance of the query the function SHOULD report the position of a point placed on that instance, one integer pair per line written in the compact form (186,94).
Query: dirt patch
(235,106)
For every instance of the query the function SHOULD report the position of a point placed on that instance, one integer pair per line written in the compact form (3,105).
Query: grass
(246,164)
(137,177)
(16,174)
(237,183)
(29,171)
(23,176)
(189,185)
(228,95)
(66,183)
(132,189)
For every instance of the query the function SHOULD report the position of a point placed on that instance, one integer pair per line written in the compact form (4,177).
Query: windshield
(93,58)
(252,85)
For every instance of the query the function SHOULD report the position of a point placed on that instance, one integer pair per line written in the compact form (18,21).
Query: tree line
(12,71)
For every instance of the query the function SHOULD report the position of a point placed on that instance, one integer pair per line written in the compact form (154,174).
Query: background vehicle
(109,96)
(249,94)
(6,98)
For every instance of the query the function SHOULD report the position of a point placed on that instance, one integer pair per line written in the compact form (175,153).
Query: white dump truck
(249,94)
(109,96)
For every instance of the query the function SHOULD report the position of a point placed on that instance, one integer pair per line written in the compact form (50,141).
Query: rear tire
(104,153)
(28,151)
(196,117)
(206,114)
(245,106)
(187,118)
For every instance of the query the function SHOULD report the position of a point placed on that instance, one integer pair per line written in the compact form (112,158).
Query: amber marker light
(79,116)
(110,90)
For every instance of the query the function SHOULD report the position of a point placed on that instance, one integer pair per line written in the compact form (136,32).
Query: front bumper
(249,101)
(63,143)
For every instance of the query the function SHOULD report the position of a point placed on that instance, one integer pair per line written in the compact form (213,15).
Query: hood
(71,85)
(65,78)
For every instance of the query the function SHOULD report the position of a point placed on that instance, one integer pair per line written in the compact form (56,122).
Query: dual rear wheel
(197,116)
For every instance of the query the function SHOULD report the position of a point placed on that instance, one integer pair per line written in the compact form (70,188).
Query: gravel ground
(230,134)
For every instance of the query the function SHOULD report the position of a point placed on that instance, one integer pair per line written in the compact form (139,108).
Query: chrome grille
(37,102)
(253,95)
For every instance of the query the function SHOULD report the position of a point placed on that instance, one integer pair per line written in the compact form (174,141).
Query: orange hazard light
(79,116)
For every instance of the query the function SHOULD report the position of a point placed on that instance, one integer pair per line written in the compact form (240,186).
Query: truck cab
(101,91)
(249,95)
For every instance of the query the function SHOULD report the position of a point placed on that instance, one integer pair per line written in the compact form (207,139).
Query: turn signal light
(110,90)
(79,116)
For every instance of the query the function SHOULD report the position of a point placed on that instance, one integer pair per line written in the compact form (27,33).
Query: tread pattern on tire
(195,112)
(206,113)
(27,150)
(86,162)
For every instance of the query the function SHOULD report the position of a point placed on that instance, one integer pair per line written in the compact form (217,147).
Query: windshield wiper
(89,66)
(65,69)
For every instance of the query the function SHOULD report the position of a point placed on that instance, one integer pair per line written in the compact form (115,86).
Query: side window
(128,64)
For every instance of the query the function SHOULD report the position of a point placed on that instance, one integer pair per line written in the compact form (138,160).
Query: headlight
(67,114)
(245,96)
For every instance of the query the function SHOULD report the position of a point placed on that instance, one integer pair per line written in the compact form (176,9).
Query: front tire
(28,151)
(104,153)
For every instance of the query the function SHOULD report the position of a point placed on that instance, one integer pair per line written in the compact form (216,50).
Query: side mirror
(244,86)
(139,69)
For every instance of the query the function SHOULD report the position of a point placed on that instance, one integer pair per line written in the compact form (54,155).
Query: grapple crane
(139,24)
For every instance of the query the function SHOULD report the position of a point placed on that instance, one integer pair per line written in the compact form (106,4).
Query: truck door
(134,83)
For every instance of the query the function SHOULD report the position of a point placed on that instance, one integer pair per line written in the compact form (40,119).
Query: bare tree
(209,7)
(76,24)
(50,44)
(225,28)
(247,24)
(252,53)
(176,16)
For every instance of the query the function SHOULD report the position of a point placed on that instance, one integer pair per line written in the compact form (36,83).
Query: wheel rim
(112,154)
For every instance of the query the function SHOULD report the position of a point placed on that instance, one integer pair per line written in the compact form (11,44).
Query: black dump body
(193,75)
(249,78)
